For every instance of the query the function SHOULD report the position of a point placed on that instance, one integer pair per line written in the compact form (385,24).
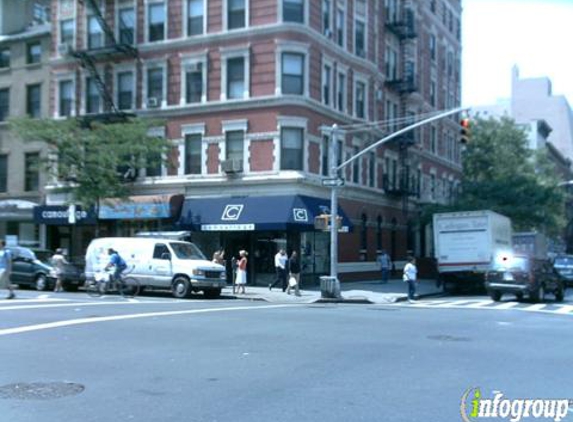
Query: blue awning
(249,213)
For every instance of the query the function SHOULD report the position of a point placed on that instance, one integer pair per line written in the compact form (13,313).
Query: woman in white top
(410,276)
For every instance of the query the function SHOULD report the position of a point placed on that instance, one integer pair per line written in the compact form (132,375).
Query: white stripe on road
(81,304)
(481,304)
(564,309)
(33,300)
(506,305)
(455,303)
(536,307)
(80,321)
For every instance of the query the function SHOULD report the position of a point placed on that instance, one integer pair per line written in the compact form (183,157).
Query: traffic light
(464,130)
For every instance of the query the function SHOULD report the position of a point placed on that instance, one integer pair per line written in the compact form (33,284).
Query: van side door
(160,266)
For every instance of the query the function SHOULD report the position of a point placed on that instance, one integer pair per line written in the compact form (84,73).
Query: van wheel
(181,287)
(212,293)
(559,295)
(495,295)
(41,282)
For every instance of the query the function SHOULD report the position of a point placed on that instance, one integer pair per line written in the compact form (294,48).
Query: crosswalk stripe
(455,303)
(564,309)
(535,307)
(506,305)
(481,304)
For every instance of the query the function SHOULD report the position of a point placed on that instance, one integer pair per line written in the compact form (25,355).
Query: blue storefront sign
(58,215)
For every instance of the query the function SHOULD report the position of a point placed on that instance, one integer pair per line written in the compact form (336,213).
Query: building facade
(250,91)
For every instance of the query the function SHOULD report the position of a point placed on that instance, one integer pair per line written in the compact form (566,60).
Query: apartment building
(250,91)
(24,81)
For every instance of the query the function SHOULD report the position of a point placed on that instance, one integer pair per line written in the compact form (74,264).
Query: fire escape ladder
(87,63)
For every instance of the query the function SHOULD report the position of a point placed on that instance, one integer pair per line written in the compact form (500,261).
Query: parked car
(33,267)
(524,276)
(564,266)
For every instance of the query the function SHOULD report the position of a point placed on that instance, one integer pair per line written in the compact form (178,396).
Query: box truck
(467,245)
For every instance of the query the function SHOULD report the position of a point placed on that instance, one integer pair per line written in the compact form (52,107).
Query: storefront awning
(16,209)
(249,213)
(141,207)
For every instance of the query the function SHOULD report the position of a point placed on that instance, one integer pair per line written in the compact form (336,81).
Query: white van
(161,264)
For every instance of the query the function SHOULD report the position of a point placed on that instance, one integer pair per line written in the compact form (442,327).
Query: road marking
(481,304)
(80,304)
(564,309)
(506,305)
(80,321)
(9,303)
(535,307)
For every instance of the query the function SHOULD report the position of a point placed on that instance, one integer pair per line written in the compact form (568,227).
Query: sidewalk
(352,292)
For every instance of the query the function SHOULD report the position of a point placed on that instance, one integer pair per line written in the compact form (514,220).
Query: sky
(535,35)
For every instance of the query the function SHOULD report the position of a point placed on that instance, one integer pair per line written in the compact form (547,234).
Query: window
(160,250)
(433,6)
(236,78)
(193,147)
(155,85)
(371,169)
(32,171)
(363,232)
(379,233)
(433,47)
(125,95)
(341,92)
(156,17)
(292,73)
(67,32)
(291,148)
(391,64)
(234,144)
(4,103)
(33,100)
(194,83)
(4,57)
(66,98)
(93,99)
(127,25)
(325,155)
(433,139)
(95,33)
(360,28)
(34,52)
(340,26)
(293,11)
(326,17)
(195,17)
(153,168)
(433,93)
(360,106)
(340,152)
(326,84)
(3,173)
(236,14)
(355,165)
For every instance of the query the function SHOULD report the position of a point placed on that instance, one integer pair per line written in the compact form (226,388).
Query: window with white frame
(67,28)
(293,11)
(234,145)
(193,153)
(65,98)
(433,47)
(327,84)
(340,25)
(126,25)
(4,103)
(236,14)
(156,21)
(391,9)
(195,17)
(325,153)
(155,91)
(391,64)
(125,90)
(292,75)
(433,93)
(327,18)
(341,92)
(236,78)
(356,165)
(360,96)
(95,37)
(360,14)
(433,139)
(371,169)
(93,98)
(194,74)
(292,140)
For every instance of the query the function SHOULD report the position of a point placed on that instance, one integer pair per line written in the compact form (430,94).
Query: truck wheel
(181,287)
(519,296)
(212,293)
(559,295)
(538,295)
(41,282)
(495,295)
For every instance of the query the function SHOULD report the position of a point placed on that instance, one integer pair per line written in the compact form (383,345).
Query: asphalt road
(158,359)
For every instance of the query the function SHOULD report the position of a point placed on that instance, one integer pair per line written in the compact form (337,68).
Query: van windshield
(186,250)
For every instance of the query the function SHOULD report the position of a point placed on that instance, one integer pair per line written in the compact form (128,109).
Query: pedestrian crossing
(482,303)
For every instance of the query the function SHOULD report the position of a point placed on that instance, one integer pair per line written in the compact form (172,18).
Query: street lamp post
(334,174)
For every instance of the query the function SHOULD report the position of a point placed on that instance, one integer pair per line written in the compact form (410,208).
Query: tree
(92,162)
(502,174)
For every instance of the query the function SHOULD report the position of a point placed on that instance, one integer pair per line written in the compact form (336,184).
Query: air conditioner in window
(232,166)
(64,49)
(153,102)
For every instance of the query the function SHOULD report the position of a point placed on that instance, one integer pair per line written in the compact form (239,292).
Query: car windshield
(44,256)
(515,263)
(563,263)
(185,250)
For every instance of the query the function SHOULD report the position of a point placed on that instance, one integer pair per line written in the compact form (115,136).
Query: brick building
(249,90)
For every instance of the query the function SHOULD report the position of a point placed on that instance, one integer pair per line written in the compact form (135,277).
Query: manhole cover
(445,337)
(40,390)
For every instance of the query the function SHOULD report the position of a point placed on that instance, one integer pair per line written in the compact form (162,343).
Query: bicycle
(102,284)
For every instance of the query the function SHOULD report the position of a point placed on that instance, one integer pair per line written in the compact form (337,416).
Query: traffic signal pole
(335,173)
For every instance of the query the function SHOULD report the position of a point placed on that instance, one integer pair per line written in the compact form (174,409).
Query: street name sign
(333,182)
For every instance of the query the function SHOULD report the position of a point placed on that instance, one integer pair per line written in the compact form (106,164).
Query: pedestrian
(410,276)
(294,273)
(6,269)
(385,264)
(59,262)
(219,257)
(241,279)
(280,270)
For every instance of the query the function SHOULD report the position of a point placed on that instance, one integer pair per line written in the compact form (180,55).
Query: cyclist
(115,261)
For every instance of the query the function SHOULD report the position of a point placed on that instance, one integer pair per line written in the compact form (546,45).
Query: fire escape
(108,50)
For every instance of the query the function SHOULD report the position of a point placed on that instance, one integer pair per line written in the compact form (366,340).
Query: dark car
(72,276)
(28,270)
(524,276)
(564,266)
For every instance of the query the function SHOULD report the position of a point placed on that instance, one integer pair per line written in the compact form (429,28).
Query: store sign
(60,215)
(227,227)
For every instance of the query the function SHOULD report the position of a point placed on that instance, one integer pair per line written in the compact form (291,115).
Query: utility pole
(334,173)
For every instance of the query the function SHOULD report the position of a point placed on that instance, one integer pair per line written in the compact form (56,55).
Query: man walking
(385,265)
(294,270)
(410,276)
(281,271)
(6,269)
